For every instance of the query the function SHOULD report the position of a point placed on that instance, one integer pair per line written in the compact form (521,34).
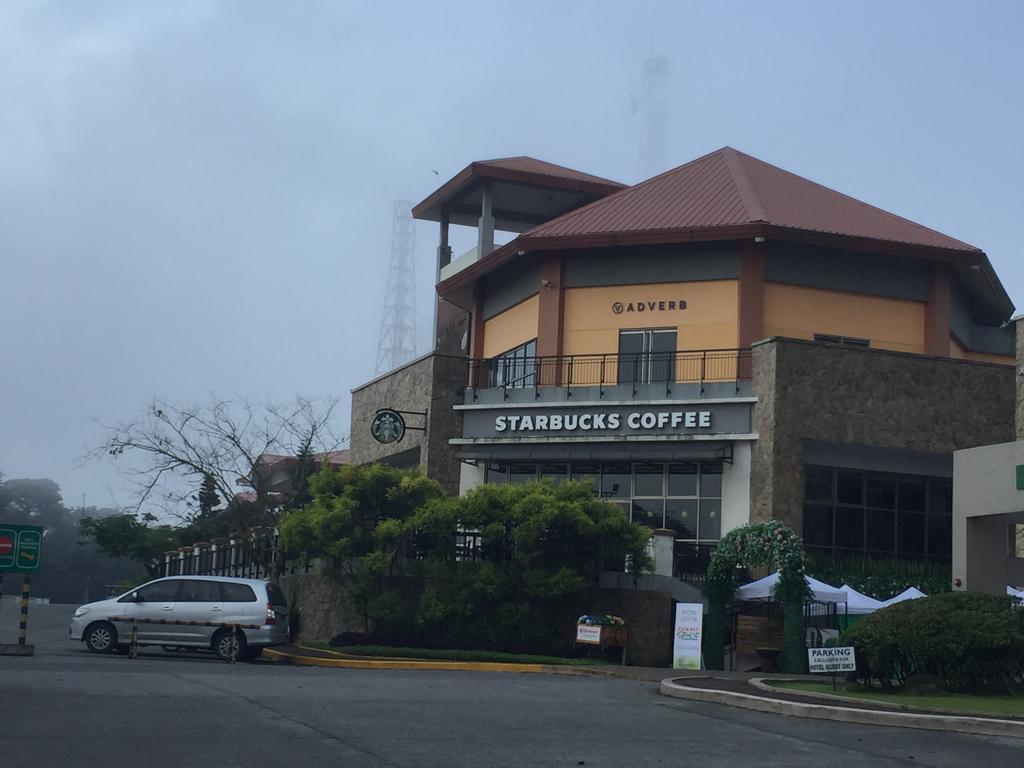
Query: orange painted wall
(591,326)
(515,326)
(800,312)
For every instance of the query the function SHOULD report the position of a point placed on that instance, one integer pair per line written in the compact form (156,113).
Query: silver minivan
(214,602)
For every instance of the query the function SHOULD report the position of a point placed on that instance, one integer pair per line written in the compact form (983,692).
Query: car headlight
(80,611)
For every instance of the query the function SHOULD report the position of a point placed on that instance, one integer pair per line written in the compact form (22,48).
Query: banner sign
(831,660)
(587,633)
(687,636)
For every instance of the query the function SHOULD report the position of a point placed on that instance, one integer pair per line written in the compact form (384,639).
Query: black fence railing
(665,369)
(253,556)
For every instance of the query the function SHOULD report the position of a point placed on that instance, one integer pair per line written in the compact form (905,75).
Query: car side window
(237,593)
(195,591)
(160,592)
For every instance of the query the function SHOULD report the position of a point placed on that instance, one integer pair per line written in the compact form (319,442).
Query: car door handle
(217,608)
(167,608)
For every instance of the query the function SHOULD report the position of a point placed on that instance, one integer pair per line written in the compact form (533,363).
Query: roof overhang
(520,199)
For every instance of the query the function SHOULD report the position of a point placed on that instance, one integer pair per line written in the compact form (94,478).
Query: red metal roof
(532,165)
(729,188)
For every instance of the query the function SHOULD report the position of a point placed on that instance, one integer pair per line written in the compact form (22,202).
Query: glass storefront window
(588,473)
(681,517)
(649,480)
(850,487)
(522,473)
(849,528)
(496,473)
(649,512)
(554,472)
(682,479)
(711,480)
(615,481)
(863,513)
(709,523)
(881,529)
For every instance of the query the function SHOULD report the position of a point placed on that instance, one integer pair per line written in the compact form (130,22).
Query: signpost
(687,636)
(21,550)
(831,660)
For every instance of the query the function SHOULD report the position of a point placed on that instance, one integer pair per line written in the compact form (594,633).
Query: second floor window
(515,368)
(647,355)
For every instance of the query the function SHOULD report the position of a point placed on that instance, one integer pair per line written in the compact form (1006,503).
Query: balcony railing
(662,369)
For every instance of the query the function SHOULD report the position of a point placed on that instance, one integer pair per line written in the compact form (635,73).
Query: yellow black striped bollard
(26,587)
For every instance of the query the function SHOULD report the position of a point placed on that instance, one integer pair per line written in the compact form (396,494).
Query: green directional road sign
(21,548)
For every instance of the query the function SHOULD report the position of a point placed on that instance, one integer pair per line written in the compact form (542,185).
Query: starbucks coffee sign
(567,421)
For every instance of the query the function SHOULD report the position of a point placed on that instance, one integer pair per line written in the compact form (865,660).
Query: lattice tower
(652,156)
(397,343)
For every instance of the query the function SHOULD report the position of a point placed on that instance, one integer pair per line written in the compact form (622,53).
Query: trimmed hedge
(970,641)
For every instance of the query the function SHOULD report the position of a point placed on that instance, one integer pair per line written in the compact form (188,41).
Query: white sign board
(687,634)
(831,660)
(586,633)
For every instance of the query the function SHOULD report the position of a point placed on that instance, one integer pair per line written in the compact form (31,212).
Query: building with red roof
(724,342)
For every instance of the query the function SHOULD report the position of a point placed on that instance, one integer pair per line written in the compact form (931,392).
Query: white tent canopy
(858,603)
(910,593)
(762,589)
(1015,592)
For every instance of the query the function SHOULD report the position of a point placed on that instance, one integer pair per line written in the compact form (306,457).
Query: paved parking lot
(65,707)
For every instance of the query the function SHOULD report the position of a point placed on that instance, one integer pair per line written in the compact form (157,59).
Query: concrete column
(485,226)
(444,251)
(936,313)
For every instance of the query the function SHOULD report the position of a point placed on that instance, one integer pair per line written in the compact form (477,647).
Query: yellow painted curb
(365,663)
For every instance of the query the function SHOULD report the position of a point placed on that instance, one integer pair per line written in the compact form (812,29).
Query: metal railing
(665,369)
(251,556)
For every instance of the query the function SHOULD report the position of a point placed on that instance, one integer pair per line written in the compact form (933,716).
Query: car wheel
(100,637)
(222,645)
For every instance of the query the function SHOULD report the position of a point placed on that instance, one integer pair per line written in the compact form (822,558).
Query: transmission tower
(653,107)
(397,343)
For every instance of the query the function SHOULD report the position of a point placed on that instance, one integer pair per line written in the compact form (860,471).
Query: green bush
(971,641)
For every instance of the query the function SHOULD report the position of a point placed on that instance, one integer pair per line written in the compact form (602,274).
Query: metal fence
(254,556)
(567,371)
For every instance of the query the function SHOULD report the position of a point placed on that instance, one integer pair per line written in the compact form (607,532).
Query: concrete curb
(448,666)
(949,723)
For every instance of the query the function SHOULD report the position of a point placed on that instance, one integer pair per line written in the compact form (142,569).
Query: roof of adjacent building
(728,188)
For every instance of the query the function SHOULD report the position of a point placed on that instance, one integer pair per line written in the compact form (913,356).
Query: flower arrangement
(601,619)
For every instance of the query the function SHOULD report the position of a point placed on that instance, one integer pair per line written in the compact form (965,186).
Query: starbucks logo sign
(387,426)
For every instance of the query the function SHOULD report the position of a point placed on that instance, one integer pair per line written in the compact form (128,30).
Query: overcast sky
(197,197)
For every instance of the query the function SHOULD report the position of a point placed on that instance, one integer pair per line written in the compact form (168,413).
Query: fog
(196,198)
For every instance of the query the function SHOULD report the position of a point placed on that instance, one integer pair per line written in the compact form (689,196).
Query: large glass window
(516,368)
(647,355)
(876,514)
(683,497)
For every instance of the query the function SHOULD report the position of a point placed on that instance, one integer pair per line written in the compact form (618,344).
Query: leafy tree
(72,570)
(498,568)
(128,535)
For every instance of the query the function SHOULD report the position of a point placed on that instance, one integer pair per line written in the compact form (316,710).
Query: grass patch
(1010,706)
(443,654)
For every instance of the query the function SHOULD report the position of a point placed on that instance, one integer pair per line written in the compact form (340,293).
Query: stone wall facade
(809,391)
(432,384)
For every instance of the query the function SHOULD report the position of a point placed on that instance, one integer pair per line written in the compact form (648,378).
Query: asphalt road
(66,707)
